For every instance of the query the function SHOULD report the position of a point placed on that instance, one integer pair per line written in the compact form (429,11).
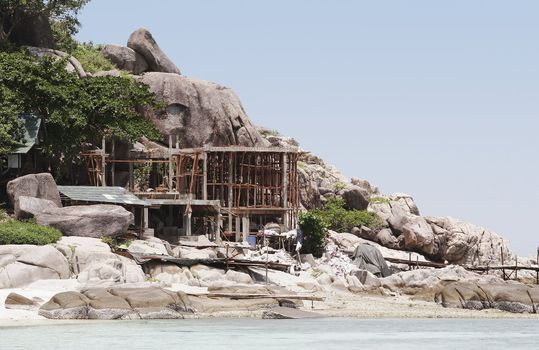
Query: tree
(73,111)
(314,233)
(61,14)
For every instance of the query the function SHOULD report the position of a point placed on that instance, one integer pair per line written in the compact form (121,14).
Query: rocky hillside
(205,113)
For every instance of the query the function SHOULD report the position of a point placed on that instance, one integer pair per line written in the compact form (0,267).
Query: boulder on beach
(17,301)
(41,186)
(118,303)
(87,220)
(23,264)
(511,297)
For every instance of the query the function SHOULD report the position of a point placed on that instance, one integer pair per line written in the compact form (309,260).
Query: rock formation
(517,298)
(199,112)
(142,41)
(40,186)
(125,58)
(87,220)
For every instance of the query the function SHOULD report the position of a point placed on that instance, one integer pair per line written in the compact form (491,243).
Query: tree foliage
(314,230)
(73,111)
(62,15)
(339,219)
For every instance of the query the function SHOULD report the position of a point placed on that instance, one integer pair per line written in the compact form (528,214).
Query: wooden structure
(239,189)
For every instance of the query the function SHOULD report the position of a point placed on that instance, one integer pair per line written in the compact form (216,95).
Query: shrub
(91,58)
(17,232)
(339,186)
(314,233)
(339,219)
(379,200)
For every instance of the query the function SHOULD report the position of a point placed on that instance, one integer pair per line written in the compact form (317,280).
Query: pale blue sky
(438,99)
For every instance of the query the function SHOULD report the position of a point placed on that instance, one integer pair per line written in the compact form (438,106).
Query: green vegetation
(115,242)
(3,216)
(382,200)
(73,111)
(18,232)
(61,14)
(267,132)
(302,165)
(314,233)
(339,219)
(91,58)
(339,186)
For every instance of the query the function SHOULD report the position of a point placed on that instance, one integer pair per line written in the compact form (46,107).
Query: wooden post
(205,176)
(113,165)
(285,191)
(537,263)
(103,162)
(503,270)
(516,267)
(218,222)
(230,194)
(170,170)
(131,179)
(237,229)
(245,227)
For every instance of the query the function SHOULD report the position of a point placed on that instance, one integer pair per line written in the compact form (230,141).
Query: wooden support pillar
(145,215)
(170,170)
(131,179)
(230,194)
(237,229)
(187,223)
(205,176)
(113,165)
(286,215)
(103,162)
(245,223)
(218,223)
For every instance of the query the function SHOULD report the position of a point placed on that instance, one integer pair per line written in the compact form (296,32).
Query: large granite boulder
(470,244)
(40,186)
(23,264)
(118,303)
(125,58)
(142,41)
(87,220)
(73,65)
(511,297)
(199,112)
(355,197)
(93,262)
(30,206)
(17,301)
(417,234)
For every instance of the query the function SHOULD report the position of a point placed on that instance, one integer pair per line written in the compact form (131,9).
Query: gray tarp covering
(369,258)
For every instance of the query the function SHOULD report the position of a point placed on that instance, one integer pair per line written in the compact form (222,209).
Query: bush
(314,230)
(339,219)
(91,58)
(17,232)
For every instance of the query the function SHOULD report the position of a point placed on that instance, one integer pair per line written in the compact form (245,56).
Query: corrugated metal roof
(31,130)
(106,194)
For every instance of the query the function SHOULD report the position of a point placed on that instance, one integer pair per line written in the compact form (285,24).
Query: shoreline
(354,306)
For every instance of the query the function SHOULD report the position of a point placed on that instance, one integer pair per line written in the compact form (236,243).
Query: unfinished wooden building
(225,193)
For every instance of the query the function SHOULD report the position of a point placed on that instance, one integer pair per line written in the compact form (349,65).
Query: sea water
(254,334)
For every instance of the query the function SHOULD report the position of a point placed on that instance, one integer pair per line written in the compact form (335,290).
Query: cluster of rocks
(440,238)
(89,260)
(511,297)
(196,112)
(118,303)
(37,196)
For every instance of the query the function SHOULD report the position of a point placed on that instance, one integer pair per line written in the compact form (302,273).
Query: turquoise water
(256,334)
